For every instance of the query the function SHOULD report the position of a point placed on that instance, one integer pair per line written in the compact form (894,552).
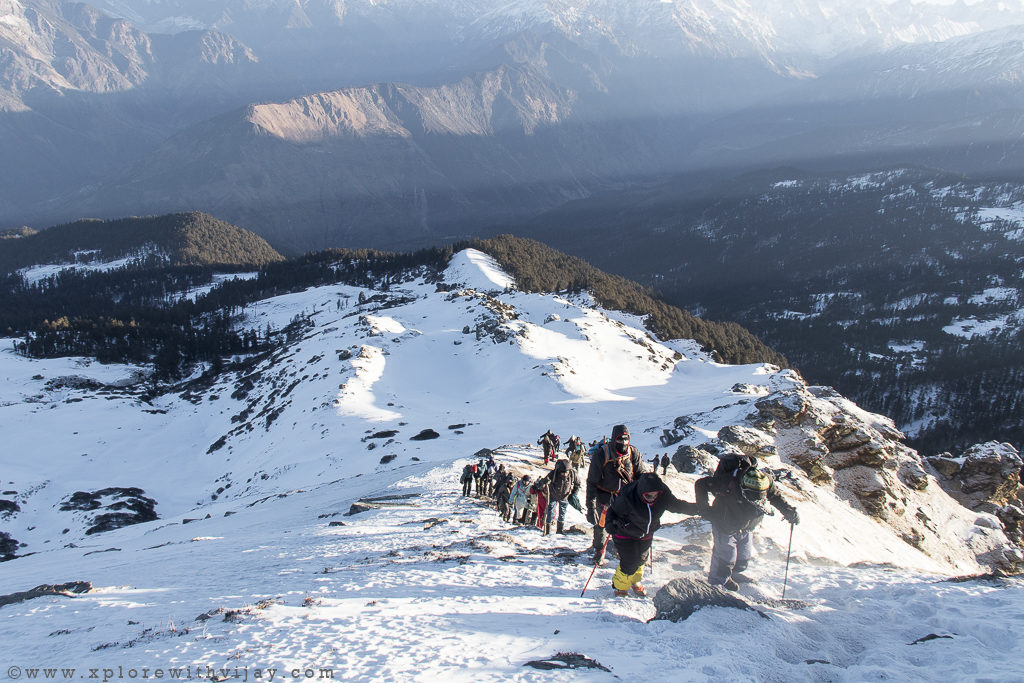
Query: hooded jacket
(609,470)
(630,516)
(561,482)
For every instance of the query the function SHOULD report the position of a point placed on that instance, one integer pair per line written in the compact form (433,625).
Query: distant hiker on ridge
(613,464)
(632,519)
(742,499)
(548,441)
(665,462)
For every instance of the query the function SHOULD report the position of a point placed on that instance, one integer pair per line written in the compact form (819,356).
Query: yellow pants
(623,582)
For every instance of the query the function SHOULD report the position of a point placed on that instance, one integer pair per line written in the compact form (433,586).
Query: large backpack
(732,467)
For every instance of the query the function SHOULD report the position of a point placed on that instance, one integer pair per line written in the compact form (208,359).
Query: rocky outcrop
(843,451)
(987,478)
(66,589)
(116,507)
(8,547)
(984,473)
(694,460)
(750,441)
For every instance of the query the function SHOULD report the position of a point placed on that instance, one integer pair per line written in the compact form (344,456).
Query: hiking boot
(639,589)
(730,585)
(743,578)
(560,529)
(621,594)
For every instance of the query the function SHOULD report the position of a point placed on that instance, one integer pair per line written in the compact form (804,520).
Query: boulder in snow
(116,507)
(691,460)
(751,441)
(679,598)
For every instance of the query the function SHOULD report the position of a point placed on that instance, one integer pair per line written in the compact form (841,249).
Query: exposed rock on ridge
(843,450)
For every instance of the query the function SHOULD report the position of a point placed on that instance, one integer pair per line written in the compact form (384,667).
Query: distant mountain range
(401,123)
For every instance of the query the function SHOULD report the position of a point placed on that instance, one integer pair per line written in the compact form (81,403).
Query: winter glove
(791,516)
(574,501)
(590,514)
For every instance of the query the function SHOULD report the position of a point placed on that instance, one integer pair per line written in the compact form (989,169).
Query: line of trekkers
(625,502)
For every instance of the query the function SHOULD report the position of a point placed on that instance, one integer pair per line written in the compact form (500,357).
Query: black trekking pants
(632,553)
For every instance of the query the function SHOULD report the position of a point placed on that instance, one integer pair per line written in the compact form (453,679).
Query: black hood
(648,482)
(619,430)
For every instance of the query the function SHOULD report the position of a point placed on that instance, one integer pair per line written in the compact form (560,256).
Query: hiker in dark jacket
(632,519)
(742,499)
(467,479)
(560,483)
(502,491)
(497,477)
(478,476)
(613,464)
(547,441)
(664,465)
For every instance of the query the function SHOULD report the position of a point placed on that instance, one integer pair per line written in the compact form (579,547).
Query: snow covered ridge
(317,485)
(373,381)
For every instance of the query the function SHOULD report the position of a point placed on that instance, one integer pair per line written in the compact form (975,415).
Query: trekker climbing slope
(559,484)
(467,479)
(632,519)
(548,441)
(613,464)
(742,499)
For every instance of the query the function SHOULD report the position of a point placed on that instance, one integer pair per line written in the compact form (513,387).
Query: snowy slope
(245,567)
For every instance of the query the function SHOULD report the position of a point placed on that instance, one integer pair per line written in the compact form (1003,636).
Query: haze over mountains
(328,123)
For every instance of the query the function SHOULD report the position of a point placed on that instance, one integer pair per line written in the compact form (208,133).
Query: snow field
(441,588)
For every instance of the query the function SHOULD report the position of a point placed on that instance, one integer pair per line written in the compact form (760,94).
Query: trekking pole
(596,564)
(785,579)
(650,560)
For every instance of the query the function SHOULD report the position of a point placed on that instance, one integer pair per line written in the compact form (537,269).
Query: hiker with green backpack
(743,494)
